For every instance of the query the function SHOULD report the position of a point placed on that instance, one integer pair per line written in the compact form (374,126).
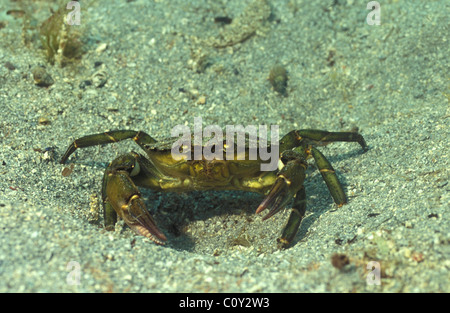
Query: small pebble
(102,47)
(41,77)
(278,78)
(201,100)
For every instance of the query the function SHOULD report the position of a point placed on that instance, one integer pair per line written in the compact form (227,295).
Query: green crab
(160,171)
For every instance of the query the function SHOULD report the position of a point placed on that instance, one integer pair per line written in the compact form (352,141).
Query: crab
(160,171)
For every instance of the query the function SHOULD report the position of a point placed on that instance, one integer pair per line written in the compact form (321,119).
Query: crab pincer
(289,181)
(122,195)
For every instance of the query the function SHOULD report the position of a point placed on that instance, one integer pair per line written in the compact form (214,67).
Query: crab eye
(136,169)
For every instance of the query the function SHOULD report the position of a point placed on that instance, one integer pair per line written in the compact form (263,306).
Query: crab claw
(289,181)
(126,200)
(140,221)
(276,199)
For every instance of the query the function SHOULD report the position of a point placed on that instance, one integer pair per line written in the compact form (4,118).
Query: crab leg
(121,197)
(295,218)
(329,176)
(140,137)
(296,138)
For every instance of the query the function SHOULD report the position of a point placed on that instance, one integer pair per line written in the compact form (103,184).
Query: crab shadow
(201,218)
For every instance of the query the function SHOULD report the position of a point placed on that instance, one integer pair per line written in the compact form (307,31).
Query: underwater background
(151,65)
